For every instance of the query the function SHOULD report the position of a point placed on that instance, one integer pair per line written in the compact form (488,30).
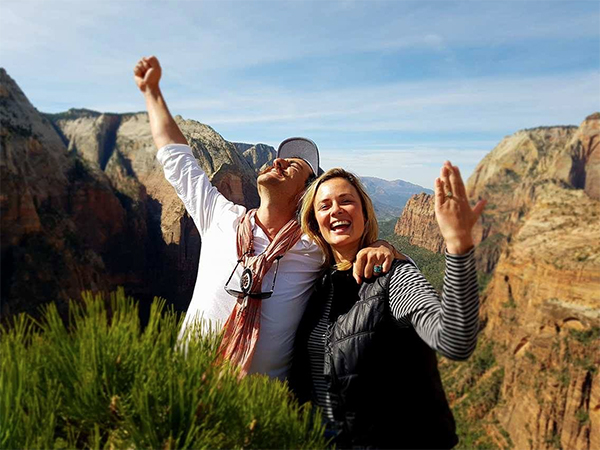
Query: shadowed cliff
(85,205)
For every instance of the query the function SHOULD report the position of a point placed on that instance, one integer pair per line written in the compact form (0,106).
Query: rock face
(259,156)
(540,244)
(44,258)
(418,222)
(509,178)
(542,309)
(85,205)
(512,176)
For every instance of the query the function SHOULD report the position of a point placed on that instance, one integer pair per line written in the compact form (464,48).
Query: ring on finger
(377,269)
(449,194)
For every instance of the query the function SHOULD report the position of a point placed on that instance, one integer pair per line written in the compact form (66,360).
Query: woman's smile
(339,213)
(339,226)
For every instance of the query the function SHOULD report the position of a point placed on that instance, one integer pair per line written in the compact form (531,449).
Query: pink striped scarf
(241,331)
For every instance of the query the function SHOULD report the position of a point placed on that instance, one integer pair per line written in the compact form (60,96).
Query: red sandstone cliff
(85,205)
(540,242)
(418,223)
(542,310)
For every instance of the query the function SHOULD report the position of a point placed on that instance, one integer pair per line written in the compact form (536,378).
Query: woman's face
(339,213)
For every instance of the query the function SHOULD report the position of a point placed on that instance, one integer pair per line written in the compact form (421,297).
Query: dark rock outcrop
(85,205)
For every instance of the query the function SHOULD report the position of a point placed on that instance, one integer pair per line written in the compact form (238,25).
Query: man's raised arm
(147,73)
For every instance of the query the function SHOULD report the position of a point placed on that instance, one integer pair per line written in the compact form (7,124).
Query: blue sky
(388,89)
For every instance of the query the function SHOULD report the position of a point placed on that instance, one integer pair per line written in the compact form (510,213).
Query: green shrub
(582,416)
(103,382)
(483,359)
(471,412)
(586,336)
(483,279)
(431,264)
(474,389)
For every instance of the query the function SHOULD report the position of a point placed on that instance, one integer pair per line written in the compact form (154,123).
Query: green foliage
(530,356)
(483,279)
(582,416)
(72,114)
(386,228)
(553,440)
(493,241)
(511,175)
(102,382)
(474,389)
(586,336)
(79,171)
(562,376)
(587,363)
(483,359)
(506,435)
(474,408)
(19,130)
(431,264)
(511,304)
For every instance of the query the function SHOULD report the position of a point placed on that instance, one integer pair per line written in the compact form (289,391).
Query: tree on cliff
(103,382)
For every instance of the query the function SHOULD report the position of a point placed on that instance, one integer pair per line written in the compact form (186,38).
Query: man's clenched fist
(147,73)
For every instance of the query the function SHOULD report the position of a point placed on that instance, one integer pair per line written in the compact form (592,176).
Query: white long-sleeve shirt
(216,219)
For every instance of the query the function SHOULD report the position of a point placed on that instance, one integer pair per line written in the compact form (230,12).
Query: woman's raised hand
(454,215)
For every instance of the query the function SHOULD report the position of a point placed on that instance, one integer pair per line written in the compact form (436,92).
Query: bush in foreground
(102,382)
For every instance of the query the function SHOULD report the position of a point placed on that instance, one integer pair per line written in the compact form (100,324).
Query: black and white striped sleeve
(448,326)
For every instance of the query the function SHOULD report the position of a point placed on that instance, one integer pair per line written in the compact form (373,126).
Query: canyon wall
(85,205)
(539,244)
(418,223)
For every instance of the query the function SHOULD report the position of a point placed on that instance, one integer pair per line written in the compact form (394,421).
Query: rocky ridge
(85,205)
(390,197)
(259,156)
(540,245)
(418,222)
(542,310)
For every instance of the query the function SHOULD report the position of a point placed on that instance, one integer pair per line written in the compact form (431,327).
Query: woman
(366,354)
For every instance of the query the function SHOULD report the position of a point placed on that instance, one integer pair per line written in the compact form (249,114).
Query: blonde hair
(309,223)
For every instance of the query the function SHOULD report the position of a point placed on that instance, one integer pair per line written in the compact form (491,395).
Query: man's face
(286,176)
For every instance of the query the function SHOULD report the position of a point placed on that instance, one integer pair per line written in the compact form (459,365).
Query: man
(245,252)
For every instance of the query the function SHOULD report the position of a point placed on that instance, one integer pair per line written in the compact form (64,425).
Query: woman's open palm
(453,212)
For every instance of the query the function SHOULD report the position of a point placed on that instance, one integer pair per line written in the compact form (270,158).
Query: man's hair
(312,177)
(309,223)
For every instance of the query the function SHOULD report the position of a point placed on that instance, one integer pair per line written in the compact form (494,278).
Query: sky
(389,89)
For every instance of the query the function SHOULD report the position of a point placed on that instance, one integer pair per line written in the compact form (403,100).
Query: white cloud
(206,35)
(479,104)
(81,54)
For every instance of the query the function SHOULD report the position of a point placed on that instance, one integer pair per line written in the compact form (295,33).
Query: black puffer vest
(384,382)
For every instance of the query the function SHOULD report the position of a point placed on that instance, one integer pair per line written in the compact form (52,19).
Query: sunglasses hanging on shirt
(246,283)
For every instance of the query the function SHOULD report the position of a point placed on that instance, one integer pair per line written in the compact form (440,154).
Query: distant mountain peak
(390,197)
